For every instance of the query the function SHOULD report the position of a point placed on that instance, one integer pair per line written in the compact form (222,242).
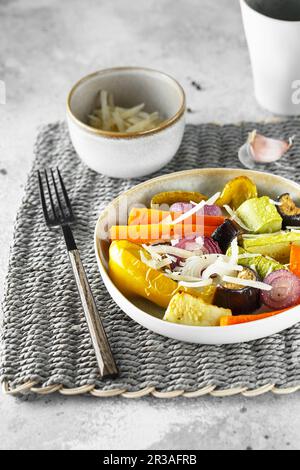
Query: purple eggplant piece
(225,234)
(241,301)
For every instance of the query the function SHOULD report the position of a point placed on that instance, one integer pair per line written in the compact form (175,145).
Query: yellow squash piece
(237,191)
(171,197)
(133,277)
(188,310)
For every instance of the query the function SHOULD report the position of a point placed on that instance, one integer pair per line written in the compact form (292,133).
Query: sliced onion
(284,290)
(220,269)
(196,264)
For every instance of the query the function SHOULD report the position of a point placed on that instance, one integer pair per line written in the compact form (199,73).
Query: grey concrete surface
(45,46)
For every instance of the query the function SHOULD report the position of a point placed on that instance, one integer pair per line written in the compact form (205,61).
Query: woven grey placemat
(46,344)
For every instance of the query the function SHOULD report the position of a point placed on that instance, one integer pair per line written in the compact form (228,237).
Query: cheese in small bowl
(126,122)
(109,117)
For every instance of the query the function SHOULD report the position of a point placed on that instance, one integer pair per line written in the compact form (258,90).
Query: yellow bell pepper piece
(237,191)
(133,277)
(170,197)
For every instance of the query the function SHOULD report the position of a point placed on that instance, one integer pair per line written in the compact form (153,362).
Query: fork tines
(54,198)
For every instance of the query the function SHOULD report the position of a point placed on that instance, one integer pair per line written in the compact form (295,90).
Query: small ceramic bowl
(127,155)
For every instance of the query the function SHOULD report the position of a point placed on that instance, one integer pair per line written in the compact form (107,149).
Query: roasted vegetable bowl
(207,256)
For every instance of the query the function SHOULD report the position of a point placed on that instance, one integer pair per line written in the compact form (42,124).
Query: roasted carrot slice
(239,319)
(295,259)
(143,216)
(157,232)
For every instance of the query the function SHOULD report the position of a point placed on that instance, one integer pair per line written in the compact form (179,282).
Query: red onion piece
(211,210)
(285,292)
(181,207)
(184,207)
(190,244)
(205,244)
(211,247)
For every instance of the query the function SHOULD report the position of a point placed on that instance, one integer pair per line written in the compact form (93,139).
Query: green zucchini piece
(276,246)
(262,265)
(260,215)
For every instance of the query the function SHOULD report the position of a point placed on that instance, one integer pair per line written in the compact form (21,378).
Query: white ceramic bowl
(136,154)
(207,181)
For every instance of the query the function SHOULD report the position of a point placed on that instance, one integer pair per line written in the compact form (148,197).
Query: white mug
(273,34)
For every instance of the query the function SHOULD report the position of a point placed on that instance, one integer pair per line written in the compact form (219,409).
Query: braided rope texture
(46,346)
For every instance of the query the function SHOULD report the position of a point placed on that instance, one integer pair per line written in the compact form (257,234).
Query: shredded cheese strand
(153,263)
(247,283)
(235,217)
(234,252)
(177,276)
(154,255)
(203,283)
(169,250)
(261,235)
(249,255)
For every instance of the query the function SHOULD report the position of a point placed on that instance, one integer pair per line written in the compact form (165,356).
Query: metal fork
(59,213)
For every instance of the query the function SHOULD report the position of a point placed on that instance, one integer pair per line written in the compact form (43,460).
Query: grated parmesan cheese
(109,117)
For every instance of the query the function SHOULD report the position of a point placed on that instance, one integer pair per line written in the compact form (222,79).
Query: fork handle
(102,349)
